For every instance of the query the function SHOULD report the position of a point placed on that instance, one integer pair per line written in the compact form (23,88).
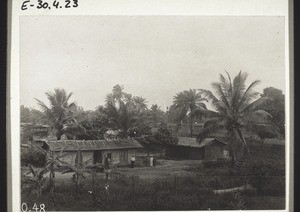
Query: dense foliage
(33,157)
(277,108)
(189,105)
(237,108)
(31,115)
(60,114)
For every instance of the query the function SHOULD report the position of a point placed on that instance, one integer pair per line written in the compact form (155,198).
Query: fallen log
(230,190)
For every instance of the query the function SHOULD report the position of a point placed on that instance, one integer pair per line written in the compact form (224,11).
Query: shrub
(32,156)
(263,168)
(215,163)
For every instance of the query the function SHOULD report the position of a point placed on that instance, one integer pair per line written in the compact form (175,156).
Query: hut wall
(88,156)
(214,151)
(71,155)
(115,158)
(185,152)
(196,153)
(122,156)
(131,152)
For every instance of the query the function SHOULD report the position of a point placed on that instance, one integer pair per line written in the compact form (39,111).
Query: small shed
(119,151)
(189,148)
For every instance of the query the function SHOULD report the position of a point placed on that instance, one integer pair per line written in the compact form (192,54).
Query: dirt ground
(165,168)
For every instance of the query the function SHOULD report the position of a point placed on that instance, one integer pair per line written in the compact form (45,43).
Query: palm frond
(248,96)
(256,105)
(225,98)
(230,83)
(238,88)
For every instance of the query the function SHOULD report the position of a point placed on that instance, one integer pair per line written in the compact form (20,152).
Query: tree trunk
(191,126)
(232,157)
(52,181)
(232,161)
(58,135)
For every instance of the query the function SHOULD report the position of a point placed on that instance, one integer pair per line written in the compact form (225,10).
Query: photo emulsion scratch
(152,113)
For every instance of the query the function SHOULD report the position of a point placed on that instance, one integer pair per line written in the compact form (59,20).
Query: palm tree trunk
(52,180)
(58,135)
(191,126)
(232,161)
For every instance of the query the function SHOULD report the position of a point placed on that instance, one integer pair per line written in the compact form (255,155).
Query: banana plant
(81,168)
(52,161)
(37,179)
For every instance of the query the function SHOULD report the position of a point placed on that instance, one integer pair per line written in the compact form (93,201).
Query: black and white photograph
(152,112)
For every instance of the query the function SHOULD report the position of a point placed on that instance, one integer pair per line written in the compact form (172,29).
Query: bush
(215,163)
(268,176)
(263,168)
(32,156)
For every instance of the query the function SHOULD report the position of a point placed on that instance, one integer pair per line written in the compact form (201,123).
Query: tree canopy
(237,108)
(236,104)
(189,104)
(60,114)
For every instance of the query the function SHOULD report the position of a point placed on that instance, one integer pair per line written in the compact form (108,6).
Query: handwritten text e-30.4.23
(40,4)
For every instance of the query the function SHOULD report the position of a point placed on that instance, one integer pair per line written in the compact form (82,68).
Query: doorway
(97,156)
(123,156)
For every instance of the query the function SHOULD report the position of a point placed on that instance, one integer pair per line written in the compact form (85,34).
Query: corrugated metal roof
(192,142)
(74,145)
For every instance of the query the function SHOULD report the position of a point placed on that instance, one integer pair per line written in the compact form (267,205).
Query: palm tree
(122,117)
(117,92)
(156,114)
(109,99)
(140,103)
(189,103)
(60,114)
(235,106)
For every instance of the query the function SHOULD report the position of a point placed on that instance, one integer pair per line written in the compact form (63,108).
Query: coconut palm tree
(60,114)
(235,106)
(189,103)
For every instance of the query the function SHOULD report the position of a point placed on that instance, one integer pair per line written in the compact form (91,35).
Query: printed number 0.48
(24,207)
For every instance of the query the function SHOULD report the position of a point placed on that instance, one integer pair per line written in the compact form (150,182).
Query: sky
(151,56)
